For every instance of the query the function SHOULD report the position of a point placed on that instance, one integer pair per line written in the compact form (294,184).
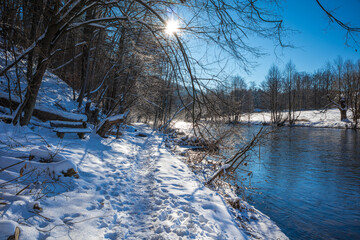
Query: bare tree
(60,19)
(290,91)
(351,83)
(355,96)
(237,97)
(272,88)
(338,97)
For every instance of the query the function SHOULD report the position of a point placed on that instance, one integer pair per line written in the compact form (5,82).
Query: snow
(97,25)
(53,169)
(41,159)
(307,118)
(44,153)
(54,93)
(223,168)
(66,63)
(67,115)
(50,109)
(94,21)
(7,228)
(117,117)
(67,123)
(128,188)
(97,188)
(5,116)
(72,130)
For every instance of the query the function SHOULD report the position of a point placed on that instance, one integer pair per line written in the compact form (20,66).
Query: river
(308,181)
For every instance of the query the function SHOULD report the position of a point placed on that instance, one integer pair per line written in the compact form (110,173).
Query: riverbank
(308,118)
(304,174)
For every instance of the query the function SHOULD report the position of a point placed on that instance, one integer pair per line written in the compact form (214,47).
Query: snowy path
(152,199)
(131,188)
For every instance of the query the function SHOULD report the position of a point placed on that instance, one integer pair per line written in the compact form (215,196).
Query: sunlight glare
(172,26)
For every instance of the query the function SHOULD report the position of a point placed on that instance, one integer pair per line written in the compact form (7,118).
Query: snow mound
(7,228)
(44,154)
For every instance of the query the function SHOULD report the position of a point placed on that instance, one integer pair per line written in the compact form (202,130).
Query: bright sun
(172,26)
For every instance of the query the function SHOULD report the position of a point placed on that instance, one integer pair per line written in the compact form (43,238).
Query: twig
(3,169)
(23,189)
(40,215)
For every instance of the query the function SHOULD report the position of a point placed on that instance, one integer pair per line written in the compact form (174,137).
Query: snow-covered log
(109,122)
(41,112)
(67,124)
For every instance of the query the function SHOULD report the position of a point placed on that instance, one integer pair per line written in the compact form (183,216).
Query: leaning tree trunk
(32,92)
(44,45)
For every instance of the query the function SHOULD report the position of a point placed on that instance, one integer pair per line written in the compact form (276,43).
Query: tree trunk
(85,62)
(32,36)
(343,114)
(34,84)
(343,109)
(32,92)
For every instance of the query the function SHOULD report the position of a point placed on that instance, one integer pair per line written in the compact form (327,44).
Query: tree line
(285,92)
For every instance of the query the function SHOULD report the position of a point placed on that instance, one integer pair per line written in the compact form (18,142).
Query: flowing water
(308,182)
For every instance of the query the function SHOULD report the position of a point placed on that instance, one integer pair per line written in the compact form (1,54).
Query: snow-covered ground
(54,93)
(306,118)
(129,188)
(96,188)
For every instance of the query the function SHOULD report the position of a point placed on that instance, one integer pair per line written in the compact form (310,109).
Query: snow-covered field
(129,188)
(306,118)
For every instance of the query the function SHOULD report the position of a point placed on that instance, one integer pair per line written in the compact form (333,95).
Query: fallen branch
(239,157)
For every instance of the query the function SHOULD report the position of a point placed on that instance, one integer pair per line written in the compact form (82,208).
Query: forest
(119,56)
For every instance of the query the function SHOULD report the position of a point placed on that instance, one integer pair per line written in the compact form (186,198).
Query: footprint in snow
(115,193)
(67,218)
(90,208)
(43,236)
(43,224)
(103,192)
(103,224)
(74,215)
(111,235)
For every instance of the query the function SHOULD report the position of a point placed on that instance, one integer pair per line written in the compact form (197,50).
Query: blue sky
(316,41)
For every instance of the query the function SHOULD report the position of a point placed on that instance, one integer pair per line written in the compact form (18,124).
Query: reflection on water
(309,181)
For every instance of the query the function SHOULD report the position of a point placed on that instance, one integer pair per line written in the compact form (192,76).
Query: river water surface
(308,182)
